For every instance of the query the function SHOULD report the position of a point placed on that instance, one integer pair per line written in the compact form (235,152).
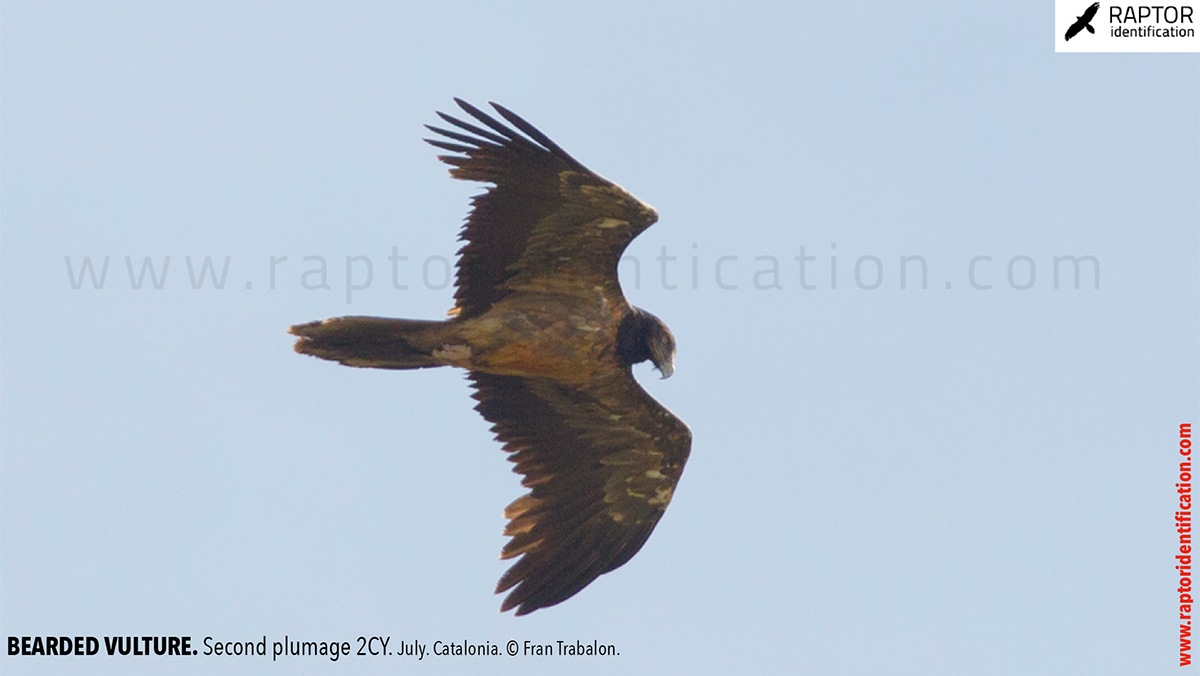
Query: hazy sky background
(929,479)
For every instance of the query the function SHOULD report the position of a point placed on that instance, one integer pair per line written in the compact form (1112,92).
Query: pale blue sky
(917,480)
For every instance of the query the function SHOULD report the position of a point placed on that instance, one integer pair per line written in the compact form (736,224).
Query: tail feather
(373,342)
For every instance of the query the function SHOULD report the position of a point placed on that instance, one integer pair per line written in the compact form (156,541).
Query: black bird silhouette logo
(1084,21)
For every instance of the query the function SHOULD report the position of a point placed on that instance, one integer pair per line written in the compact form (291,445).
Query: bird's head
(643,336)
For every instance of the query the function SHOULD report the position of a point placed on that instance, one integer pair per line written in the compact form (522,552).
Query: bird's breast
(543,337)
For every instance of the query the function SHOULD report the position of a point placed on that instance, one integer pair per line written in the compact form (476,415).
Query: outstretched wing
(547,223)
(601,465)
(1090,12)
(1074,29)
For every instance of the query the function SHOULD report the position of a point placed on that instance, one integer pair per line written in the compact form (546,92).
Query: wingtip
(521,608)
(474,112)
(508,603)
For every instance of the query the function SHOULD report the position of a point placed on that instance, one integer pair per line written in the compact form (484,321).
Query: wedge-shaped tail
(373,342)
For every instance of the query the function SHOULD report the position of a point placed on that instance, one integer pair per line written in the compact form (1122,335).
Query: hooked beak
(667,368)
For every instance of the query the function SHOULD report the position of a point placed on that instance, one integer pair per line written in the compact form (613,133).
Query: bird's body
(534,334)
(542,326)
(1083,21)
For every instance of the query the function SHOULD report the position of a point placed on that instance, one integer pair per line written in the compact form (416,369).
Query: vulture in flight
(549,342)
(1084,21)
